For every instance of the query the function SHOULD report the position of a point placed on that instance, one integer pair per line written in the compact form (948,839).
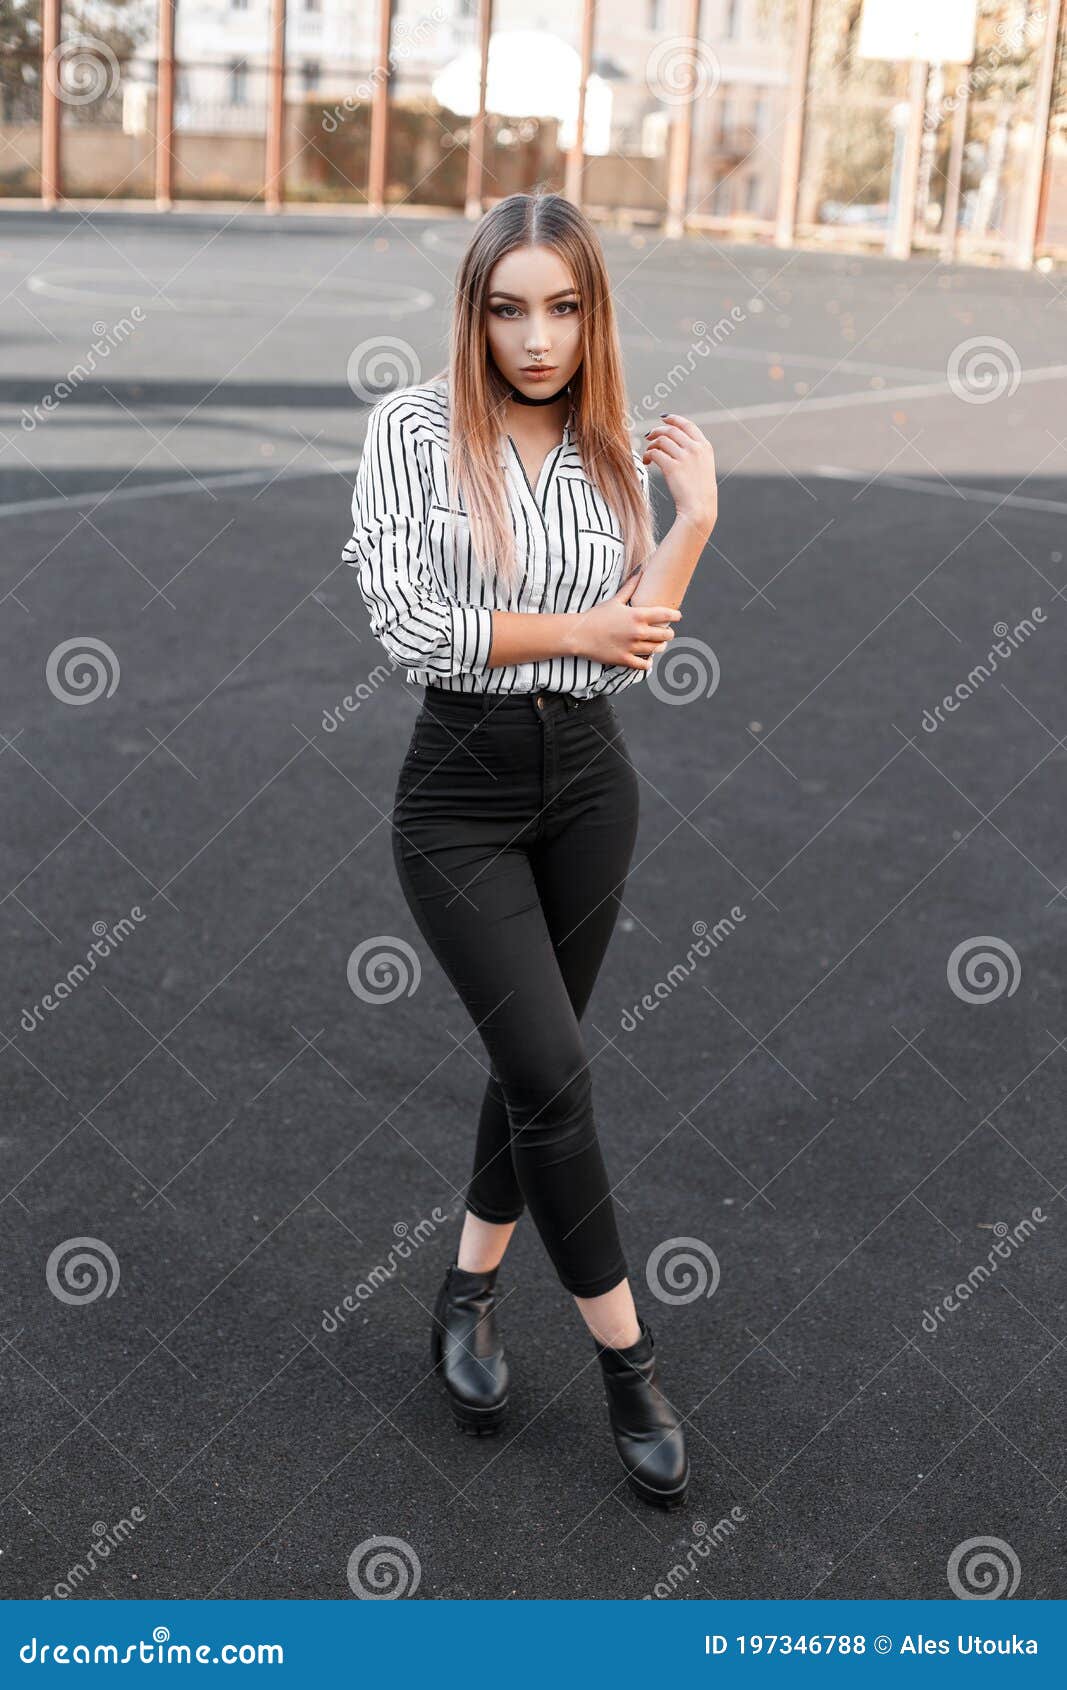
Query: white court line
(842,401)
(153,490)
(938,490)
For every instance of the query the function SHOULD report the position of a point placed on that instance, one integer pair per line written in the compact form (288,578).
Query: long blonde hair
(477,391)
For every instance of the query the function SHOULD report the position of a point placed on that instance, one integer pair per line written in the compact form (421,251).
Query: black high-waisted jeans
(513,828)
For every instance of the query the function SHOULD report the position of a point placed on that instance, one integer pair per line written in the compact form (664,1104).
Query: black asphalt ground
(815,1113)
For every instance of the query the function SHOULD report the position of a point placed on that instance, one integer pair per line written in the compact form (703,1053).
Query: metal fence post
(575,168)
(378,162)
(793,141)
(475,194)
(51,110)
(274,186)
(680,141)
(1030,205)
(165,107)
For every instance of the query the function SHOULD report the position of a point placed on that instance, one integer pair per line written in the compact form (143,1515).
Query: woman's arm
(687,460)
(631,628)
(612,632)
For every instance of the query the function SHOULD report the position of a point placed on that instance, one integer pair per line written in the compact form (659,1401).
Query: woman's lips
(535,370)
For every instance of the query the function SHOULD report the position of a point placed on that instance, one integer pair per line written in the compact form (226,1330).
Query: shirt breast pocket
(450,534)
(600,562)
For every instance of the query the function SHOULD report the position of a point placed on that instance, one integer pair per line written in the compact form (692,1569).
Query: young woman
(516,808)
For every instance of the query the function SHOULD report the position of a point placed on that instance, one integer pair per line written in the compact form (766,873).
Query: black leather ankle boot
(647,1432)
(466,1348)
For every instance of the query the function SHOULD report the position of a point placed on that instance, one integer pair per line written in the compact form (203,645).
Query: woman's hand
(617,632)
(687,460)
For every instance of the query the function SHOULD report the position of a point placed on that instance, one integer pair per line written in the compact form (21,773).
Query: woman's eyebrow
(498,293)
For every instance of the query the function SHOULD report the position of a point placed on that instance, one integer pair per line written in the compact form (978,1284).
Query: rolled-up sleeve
(643,477)
(409,614)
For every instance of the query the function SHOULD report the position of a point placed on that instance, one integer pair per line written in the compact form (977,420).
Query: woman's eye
(567,305)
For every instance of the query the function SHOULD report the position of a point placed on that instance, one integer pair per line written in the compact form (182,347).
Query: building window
(311,73)
(732,26)
(238,82)
(238,5)
(655,16)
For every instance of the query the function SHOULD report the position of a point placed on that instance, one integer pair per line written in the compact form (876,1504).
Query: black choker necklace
(525,399)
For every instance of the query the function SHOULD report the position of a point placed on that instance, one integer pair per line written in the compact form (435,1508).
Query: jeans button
(540,702)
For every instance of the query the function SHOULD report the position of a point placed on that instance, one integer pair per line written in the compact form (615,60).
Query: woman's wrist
(573,624)
(693,522)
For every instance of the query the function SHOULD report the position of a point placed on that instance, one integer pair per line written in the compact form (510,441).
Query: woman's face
(534,308)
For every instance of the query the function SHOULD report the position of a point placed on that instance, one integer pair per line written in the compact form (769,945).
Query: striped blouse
(429,606)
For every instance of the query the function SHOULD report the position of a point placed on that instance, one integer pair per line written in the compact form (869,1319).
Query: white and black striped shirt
(429,605)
